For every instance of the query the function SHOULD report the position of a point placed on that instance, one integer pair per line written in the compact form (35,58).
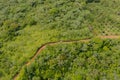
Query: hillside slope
(27,24)
(95,59)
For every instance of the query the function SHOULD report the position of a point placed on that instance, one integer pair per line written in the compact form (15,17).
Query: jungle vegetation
(25,25)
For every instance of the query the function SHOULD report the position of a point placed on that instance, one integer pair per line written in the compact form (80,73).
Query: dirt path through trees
(53,43)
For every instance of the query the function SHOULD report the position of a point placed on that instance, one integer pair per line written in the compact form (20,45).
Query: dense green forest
(25,25)
(94,60)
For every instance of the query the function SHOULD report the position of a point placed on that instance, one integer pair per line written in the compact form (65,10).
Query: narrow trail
(64,41)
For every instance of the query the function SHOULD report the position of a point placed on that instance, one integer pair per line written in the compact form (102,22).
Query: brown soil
(110,37)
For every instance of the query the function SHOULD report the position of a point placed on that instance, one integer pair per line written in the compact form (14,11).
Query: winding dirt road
(53,43)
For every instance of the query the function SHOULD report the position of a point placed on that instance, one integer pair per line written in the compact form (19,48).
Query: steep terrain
(27,24)
(53,43)
(79,60)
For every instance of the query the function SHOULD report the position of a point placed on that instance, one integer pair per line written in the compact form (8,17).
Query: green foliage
(96,43)
(75,62)
(90,1)
(27,24)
